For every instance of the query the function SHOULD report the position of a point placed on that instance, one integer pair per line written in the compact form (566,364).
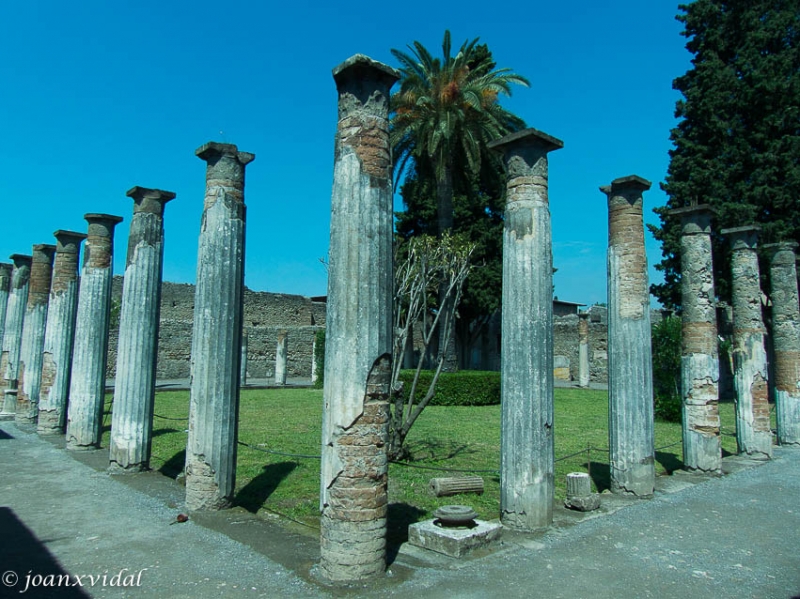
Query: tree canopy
(737,145)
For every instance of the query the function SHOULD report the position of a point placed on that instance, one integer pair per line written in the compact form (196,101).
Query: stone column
(5,289)
(583,349)
(753,434)
(59,334)
(217,331)
(526,354)
(702,451)
(243,364)
(90,353)
(314,374)
(785,340)
(280,359)
(30,360)
(630,368)
(358,344)
(12,336)
(137,348)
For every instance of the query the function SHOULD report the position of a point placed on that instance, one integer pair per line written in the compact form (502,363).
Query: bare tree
(429,281)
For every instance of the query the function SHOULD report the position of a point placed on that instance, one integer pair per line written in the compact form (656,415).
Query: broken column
(583,349)
(29,374)
(217,331)
(89,356)
(280,359)
(59,334)
(753,434)
(354,472)
(785,340)
(702,451)
(630,368)
(137,348)
(527,457)
(5,290)
(12,335)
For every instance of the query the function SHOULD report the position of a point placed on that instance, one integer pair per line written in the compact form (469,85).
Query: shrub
(463,388)
(666,340)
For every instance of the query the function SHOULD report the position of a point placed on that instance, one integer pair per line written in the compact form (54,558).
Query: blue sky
(100,96)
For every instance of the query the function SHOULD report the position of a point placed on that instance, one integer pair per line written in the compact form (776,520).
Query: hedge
(463,388)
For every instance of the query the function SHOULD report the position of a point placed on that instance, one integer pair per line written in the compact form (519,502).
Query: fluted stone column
(5,290)
(527,482)
(702,451)
(59,334)
(12,336)
(89,356)
(630,368)
(217,331)
(243,364)
(280,358)
(583,349)
(137,348)
(750,377)
(785,340)
(30,360)
(358,345)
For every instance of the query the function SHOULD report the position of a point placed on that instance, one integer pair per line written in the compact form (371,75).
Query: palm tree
(446,111)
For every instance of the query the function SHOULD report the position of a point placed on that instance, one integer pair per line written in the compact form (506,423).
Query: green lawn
(466,438)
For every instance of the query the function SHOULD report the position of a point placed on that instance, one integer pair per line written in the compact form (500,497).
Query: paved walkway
(61,514)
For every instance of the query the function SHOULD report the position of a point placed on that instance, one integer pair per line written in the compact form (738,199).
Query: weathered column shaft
(702,451)
(785,341)
(217,331)
(5,290)
(750,376)
(88,376)
(358,345)
(12,336)
(137,348)
(314,374)
(59,334)
(30,361)
(630,368)
(527,466)
(583,349)
(280,358)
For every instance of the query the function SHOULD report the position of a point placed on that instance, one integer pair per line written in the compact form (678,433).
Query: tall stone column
(280,359)
(527,479)
(5,290)
(217,331)
(702,451)
(59,334)
(358,345)
(243,364)
(12,336)
(583,349)
(753,434)
(785,340)
(30,360)
(90,353)
(630,368)
(137,348)
(314,374)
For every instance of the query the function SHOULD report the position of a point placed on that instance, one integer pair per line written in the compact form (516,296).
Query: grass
(289,421)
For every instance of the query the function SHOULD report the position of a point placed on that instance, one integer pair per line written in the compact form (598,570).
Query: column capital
(526,138)
(21,260)
(360,66)
(213,151)
(43,252)
(782,252)
(631,183)
(742,238)
(102,225)
(148,200)
(68,241)
(5,269)
(695,219)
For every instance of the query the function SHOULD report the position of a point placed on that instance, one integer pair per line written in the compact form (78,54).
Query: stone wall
(264,315)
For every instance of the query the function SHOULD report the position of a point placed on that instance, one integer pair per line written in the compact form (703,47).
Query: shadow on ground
(253,495)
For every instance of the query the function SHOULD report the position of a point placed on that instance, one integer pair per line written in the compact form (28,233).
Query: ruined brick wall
(264,315)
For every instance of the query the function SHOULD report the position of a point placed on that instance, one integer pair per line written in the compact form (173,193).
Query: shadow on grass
(398,518)
(5,435)
(669,461)
(164,431)
(255,493)
(174,466)
(433,450)
(600,473)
